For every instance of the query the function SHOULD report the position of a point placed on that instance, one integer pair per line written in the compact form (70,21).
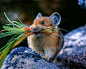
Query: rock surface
(72,55)
(24,58)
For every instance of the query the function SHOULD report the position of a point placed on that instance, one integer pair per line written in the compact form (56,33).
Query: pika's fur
(46,44)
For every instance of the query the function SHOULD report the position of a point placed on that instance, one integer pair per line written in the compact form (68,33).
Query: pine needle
(15,42)
(13,28)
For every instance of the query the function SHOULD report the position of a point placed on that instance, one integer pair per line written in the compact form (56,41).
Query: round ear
(39,15)
(55,18)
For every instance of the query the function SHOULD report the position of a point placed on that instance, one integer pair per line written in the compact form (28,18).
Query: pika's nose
(34,28)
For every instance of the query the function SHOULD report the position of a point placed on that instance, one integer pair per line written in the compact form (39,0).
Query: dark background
(71,13)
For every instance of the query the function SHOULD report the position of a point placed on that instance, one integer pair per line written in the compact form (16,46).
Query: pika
(46,44)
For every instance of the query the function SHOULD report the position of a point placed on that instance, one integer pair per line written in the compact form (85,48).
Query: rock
(73,53)
(24,58)
(82,4)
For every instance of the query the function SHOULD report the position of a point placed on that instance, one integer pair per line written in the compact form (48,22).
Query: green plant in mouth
(20,32)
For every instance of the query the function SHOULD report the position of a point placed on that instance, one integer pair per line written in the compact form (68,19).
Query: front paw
(41,53)
(45,57)
(49,59)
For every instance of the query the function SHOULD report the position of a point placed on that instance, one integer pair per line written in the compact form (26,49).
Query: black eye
(42,22)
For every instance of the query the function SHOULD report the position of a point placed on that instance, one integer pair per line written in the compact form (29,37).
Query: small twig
(20,20)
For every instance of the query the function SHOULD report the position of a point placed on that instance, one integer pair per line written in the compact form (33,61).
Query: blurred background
(73,13)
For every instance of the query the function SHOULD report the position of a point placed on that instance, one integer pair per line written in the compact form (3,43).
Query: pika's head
(41,22)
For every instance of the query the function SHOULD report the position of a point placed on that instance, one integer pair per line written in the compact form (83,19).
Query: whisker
(20,21)
(63,29)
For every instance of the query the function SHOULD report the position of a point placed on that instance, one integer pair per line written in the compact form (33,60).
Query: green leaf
(15,42)
(13,28)
(8,34)
(8,18)
(8,43)
(14,22)
(19,24)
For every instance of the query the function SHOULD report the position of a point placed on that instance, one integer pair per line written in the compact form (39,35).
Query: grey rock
(73,53)
(24,58)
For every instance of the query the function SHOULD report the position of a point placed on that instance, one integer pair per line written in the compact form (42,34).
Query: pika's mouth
(36,32)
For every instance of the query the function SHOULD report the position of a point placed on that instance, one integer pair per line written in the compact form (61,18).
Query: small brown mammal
(46,44)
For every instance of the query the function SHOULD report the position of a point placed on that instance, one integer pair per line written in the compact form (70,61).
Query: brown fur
(46,44)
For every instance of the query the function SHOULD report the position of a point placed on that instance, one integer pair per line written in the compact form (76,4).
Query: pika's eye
(42,22)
